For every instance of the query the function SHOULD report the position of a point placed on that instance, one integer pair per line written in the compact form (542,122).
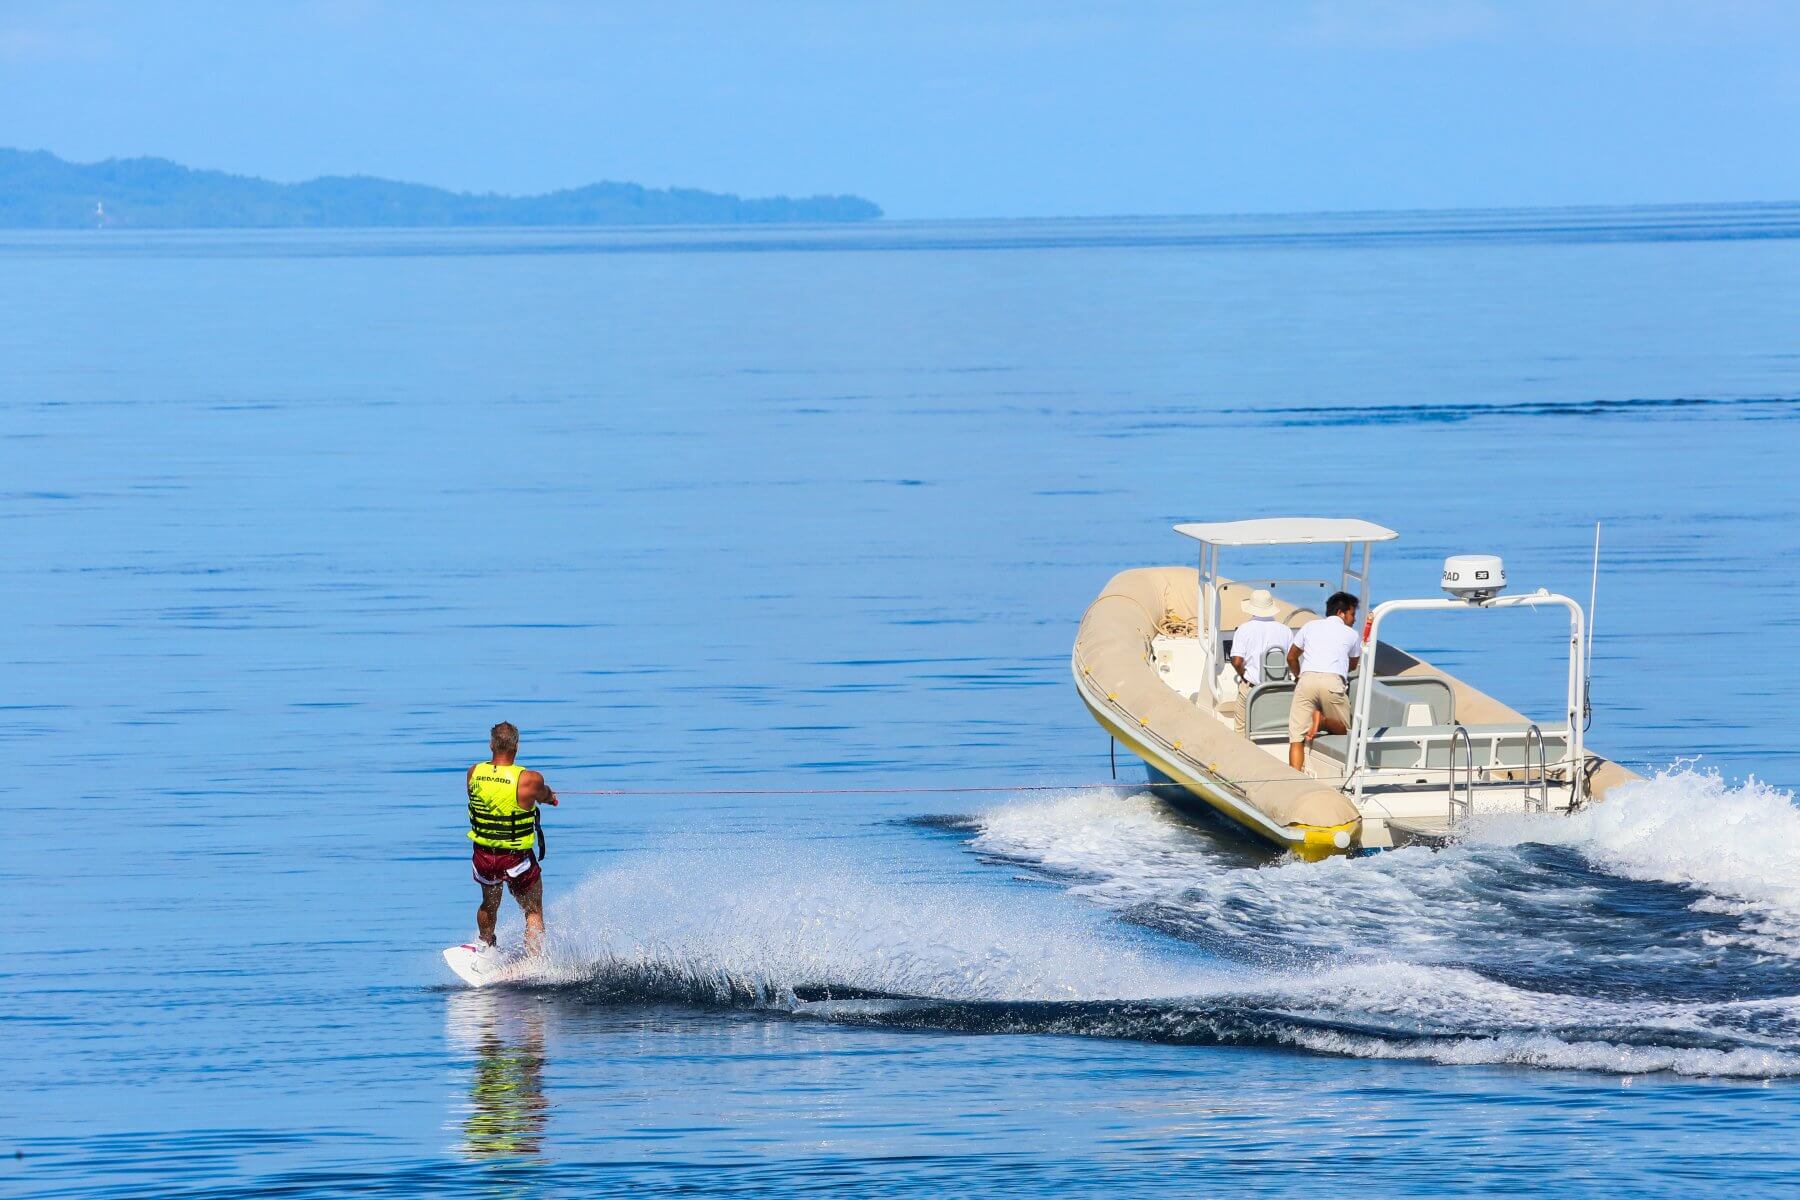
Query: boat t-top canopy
(1286,531)
(1348,532)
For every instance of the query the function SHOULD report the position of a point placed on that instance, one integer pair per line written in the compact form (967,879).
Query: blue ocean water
(293,518)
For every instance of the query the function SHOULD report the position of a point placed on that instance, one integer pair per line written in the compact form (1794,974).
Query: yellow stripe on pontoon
(1310,842)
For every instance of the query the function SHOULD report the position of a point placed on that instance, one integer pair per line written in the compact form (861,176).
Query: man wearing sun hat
(1253,639)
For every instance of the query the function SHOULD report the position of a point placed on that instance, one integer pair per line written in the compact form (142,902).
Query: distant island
(38,190)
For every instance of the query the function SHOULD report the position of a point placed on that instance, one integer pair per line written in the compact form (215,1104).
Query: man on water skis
(503,824)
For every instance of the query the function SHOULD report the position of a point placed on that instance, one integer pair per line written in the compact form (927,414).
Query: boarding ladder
(1541,802)
(1462,808)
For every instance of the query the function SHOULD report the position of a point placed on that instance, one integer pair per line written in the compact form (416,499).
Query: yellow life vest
(495,818)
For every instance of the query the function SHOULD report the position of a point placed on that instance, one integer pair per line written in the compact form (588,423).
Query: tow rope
(968,789)
(860,791)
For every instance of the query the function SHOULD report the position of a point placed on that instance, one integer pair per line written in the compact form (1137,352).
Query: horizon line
(886,219)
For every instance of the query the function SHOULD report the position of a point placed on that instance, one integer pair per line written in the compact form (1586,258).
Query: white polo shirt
(1255,638)
(1327,645)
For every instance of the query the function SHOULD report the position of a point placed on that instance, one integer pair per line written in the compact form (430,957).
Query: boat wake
(768,925)
(1656,932)
(1735,848)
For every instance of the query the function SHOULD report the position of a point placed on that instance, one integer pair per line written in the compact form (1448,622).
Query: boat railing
(1463,807)
(1399,750)
(1368,733)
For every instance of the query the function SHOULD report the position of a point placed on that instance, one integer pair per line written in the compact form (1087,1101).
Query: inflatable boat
(1422,753)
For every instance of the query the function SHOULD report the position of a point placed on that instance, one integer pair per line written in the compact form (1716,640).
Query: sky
(974,108)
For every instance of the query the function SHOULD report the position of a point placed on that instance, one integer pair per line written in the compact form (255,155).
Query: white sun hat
(1261,604)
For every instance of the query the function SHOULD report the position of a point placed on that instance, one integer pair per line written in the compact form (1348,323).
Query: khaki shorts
(1317,692)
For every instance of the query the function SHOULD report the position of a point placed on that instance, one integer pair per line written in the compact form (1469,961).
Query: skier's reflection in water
(506,1111)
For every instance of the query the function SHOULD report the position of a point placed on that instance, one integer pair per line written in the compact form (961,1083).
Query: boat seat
(1398,701)
(1337,745)
(1274,663)
(1397,705)
(1411,700)
(1266,711)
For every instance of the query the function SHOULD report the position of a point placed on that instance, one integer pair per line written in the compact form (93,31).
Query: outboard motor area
(1474,577)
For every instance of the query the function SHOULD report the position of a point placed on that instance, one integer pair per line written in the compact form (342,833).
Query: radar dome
(1474,577)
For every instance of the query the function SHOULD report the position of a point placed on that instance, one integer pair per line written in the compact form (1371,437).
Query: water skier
(503,824)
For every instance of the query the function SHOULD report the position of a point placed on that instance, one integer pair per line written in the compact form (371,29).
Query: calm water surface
(291,519)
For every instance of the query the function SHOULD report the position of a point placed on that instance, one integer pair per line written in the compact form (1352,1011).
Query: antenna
(1587,683)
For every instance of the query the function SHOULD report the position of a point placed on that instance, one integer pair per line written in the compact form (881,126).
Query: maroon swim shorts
(517,869)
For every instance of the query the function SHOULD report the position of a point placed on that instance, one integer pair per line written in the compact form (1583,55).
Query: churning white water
(1591,942)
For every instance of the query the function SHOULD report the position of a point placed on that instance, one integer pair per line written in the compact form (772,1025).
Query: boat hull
(1189,787)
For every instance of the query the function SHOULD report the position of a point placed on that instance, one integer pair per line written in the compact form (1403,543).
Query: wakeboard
(478,965)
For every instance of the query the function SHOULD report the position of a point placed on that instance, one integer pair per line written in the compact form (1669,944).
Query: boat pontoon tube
(1118,681)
